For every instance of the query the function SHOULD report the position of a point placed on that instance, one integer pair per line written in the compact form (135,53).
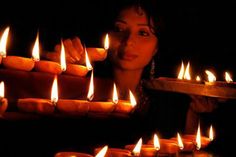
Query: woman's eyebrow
(143,24)
(124,22)
(121,21)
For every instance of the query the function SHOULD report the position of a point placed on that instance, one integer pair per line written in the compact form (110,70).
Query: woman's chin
(129,66)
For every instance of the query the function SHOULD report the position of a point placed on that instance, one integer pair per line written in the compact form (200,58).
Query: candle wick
(35,59)
(2,54)
(54,101)
(90,98)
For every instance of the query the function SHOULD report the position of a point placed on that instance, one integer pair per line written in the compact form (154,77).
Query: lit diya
(166,146)
(198,140)
(99,54)
(102,152)
(115,152)
(84,106)
(79,70)
(185,145)
(47,66)
(3,43)
(37,105)
(72,154)
(212,80)
(144,150)
(123,106)
(3,100)
(184,74)
(14,62)
(183,84)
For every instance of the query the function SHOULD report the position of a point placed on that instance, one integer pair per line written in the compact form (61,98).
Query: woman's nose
(129,39)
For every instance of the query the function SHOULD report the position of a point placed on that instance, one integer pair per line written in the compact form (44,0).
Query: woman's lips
(128,56)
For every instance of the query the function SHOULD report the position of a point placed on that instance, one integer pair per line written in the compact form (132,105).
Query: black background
(201,32)
(196,31)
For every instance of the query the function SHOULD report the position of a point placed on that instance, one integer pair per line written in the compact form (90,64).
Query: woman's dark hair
(153,13)
(150,7)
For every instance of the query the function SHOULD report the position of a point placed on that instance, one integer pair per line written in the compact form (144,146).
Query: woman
(134,43)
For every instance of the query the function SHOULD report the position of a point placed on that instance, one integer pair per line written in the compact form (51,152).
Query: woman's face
(133,43)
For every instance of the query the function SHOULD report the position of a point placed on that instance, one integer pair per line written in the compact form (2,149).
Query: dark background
(196,31)
(202,32)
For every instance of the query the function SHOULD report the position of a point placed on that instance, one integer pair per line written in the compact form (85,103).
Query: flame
(228,78)
(63,57)
(102,152)
(54,93)
(88,64)
(2,87)
(90,94)
(180,142)
(211,76)
(3,42)
(198,138)
(156,142)
(181,72)
(115,95)
(106,42)
(132,99)
(198,78)
(187,73)
(211,134)
(35,52)
(184,73)
(138,147)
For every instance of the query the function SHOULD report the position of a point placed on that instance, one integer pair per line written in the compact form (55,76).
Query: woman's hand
(75,52)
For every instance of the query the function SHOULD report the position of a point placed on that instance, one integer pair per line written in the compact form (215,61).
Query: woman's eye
(118,29)
(143,33)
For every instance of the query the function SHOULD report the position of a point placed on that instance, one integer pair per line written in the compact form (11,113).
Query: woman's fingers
(78,46)
(75,53)
(71,50)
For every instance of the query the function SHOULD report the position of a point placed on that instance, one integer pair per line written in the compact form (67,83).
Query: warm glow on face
(35,52)
(2,87)
(198,138)
(54,92)
(63,57)
(187,72)
(102,152)
(3,42)
(180,142)
(156,142)
(211,76)
(106,42)
(198,78)
(90,94)
(181,72)
(228,78)
(211,134)
(138,147)
(132,99)
(115,95)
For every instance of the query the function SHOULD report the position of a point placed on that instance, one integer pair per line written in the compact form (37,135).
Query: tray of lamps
(219,89)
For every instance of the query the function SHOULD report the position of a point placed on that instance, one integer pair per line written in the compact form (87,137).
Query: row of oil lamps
(184,74)
(28,64)
(156,147)
(63,105)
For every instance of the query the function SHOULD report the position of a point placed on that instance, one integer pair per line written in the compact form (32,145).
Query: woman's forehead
(135,14)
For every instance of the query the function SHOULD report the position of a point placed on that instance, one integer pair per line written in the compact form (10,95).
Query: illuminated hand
(75,52)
